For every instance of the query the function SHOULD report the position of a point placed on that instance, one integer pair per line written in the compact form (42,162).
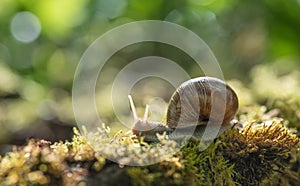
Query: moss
(289,176)
(40,163)
(247,155)
(278,89)
(289,109)
(259,150)
(209,166)
(239,157)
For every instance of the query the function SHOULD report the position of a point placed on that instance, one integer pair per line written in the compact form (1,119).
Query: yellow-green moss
(241,156)
(238,157)
(278,88)
(259,150)
(40,163)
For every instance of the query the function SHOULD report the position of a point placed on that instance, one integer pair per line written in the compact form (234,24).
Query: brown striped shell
(199,100)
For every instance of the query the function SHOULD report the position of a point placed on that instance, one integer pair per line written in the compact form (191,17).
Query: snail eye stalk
(135,116)
(146,114)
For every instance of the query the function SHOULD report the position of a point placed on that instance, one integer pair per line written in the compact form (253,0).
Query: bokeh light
(25,27)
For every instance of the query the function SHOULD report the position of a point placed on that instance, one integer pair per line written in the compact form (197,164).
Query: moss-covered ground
(261,149)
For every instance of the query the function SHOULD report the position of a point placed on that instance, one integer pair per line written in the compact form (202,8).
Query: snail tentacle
(146,113)
(142,127)
(135,116)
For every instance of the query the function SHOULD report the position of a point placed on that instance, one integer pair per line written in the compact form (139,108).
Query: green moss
(247,155)
(289,176)
(238,157)
(209,166)
(259,150)
(278,88)
(40,163)
(289,109)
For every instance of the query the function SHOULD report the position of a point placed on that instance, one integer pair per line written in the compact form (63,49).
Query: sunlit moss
(276,88)
(238,157)
(40,163)
(259,149)
(268,82)
(246,155)
(125,148)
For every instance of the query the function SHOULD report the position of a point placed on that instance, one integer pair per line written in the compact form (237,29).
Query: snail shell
(196,98)
(191,107)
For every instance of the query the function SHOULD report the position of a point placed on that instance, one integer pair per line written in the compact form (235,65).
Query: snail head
(141,125)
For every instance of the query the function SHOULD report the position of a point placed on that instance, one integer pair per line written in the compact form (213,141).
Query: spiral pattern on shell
(202,99)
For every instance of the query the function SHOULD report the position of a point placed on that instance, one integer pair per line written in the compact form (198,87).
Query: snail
(191,107)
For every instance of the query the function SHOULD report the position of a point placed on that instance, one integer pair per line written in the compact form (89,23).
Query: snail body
(195,104)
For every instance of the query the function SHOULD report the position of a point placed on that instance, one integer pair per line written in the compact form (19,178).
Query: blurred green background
(41,42)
